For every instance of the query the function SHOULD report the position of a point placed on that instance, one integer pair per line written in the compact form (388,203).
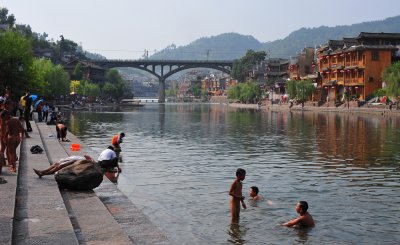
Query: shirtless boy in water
(237,197)
(305,219)
(14,134)
(253,193)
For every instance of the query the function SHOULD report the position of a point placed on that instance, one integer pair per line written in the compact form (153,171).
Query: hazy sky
(125,28)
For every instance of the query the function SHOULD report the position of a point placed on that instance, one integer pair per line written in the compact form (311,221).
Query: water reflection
(237,234)
(302,234)
(112,176)
(184,155)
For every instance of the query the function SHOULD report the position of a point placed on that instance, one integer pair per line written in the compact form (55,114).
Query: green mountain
(229,46)
(225,46)
(312,37)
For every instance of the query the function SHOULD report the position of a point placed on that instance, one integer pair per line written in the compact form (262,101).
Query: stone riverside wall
(219,99)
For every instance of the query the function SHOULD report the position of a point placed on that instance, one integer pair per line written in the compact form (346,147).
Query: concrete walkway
(35,211)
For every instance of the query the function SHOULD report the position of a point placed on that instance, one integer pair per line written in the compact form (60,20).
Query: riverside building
(354,66)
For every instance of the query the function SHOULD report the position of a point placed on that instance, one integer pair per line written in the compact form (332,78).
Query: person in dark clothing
(27,111)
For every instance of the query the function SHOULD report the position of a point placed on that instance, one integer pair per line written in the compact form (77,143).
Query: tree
(77,73)
(75,86)
(245,92)
(291,88)
(241,66)
(92,90)
(170,92)
(41,67)
(109,89)
(234,92)
(58,80)
(300,90)
(15,61)
(5,18)
(115,85)
(196,90)
(391,76)
(49,79)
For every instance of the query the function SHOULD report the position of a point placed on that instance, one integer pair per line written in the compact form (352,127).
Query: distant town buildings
(303,65)
(217,84)
(274,69)
(351,66)
(355,65)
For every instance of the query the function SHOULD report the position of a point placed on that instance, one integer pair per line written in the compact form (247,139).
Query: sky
(123,29)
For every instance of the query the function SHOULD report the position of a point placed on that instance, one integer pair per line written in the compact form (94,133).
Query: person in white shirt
(108,159)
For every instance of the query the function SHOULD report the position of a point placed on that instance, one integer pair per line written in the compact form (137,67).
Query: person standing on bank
(13,136)
(45,110)
(27,111)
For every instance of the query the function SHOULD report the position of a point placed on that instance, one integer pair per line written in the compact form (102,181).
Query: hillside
(312,37)
(232,45)
(226,46)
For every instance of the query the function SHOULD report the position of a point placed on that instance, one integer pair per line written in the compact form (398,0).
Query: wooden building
(302,65)
(355,65)
(90,71)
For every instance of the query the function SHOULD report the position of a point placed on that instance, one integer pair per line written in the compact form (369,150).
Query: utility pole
(208,53)
(146,54)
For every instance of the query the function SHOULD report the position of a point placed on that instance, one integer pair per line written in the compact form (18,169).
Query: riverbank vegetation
(300,90)
(243,65)
(28,61)
(391,76)
(249,92)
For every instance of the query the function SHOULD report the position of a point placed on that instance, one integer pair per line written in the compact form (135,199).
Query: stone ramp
(92,221)
(40,214)
(7,202)
(134,222)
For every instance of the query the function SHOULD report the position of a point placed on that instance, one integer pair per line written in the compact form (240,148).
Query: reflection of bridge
(166,68)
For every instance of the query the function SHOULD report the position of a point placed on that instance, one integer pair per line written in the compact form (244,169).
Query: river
(180,159)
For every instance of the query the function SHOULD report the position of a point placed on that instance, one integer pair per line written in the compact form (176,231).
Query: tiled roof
(379,35)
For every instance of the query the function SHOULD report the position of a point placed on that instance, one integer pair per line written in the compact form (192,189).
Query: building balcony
(354,81)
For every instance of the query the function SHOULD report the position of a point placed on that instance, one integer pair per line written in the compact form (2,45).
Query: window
(359,56)
(375,55)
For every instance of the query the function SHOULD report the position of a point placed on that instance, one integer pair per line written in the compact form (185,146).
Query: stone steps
(7,202)
(90,218)
(40,213)
(134,223)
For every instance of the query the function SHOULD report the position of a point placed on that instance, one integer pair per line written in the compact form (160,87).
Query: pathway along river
(179,161)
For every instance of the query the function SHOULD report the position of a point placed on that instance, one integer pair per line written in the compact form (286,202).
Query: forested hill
(312,37)
(232,45)
(226,46)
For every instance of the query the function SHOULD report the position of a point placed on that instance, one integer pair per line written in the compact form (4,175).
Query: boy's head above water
(240,173)
(302,207)
(253,191)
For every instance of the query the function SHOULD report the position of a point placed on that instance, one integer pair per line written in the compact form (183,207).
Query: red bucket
(75,147)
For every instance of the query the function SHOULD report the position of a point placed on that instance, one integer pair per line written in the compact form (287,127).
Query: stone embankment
(383,111)
(35,211)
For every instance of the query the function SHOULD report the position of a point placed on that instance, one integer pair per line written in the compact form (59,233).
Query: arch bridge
(163,69)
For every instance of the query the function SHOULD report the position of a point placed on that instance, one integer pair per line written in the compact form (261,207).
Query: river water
(180,159)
